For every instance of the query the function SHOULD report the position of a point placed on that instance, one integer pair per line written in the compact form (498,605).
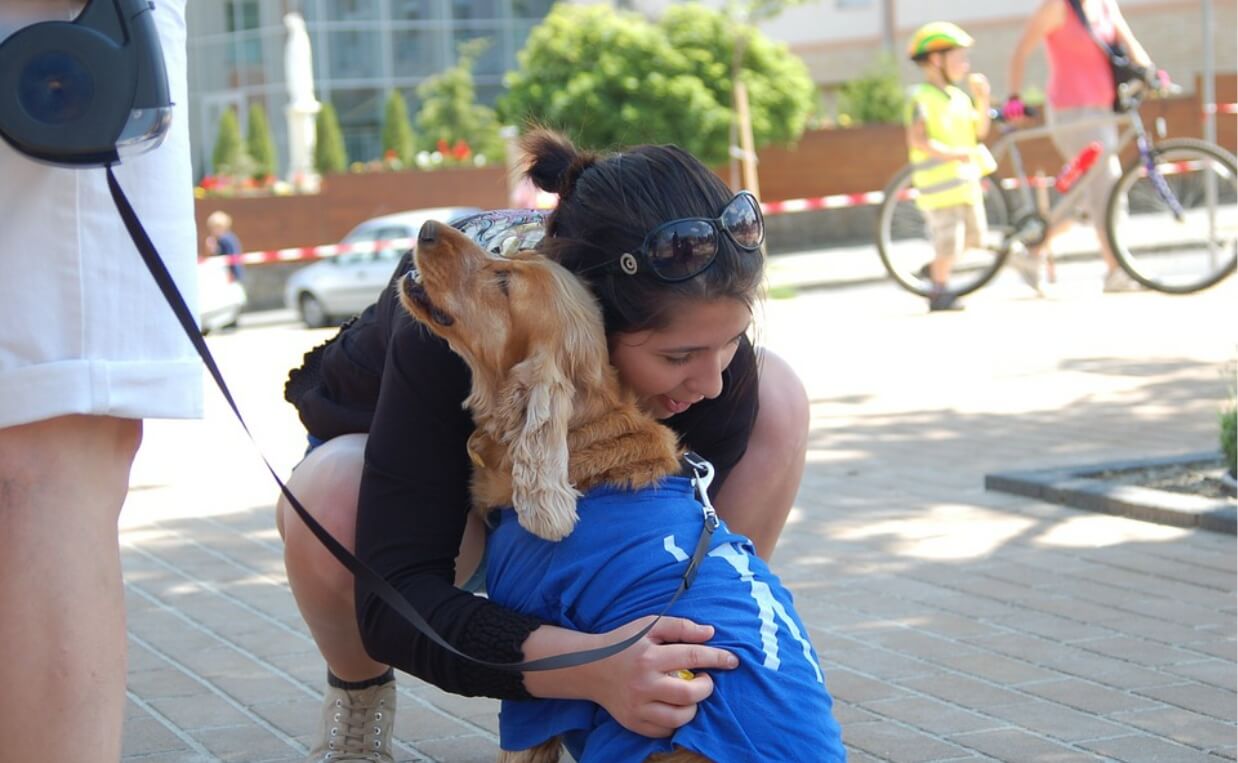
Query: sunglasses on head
(683,248)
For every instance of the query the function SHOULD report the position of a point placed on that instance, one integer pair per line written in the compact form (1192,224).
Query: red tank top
(1079,73)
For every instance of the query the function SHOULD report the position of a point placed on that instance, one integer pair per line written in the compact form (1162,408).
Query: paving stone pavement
(953,623)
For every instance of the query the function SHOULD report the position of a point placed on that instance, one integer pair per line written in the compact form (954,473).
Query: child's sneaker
(943,300)
(1118,281)
(356,725)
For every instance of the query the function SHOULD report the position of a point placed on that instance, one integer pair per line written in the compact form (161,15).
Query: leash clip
(703,476)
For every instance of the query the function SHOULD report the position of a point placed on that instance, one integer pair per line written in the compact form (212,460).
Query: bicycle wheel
(1160,248)
(906,247)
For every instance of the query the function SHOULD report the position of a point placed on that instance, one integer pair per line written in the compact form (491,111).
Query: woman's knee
(326,484)
(783,416)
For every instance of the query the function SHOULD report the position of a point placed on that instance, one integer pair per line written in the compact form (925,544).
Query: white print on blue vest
(768,608)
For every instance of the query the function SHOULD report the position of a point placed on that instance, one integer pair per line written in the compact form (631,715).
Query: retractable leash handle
(85,93)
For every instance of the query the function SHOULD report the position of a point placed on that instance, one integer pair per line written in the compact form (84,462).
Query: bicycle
(1171,218)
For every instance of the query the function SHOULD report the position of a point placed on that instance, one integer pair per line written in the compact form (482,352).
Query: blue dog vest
(624,560)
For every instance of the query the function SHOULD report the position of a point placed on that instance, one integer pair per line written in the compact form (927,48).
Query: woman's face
(674,367)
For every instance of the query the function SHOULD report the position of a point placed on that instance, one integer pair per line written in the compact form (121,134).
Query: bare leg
(760,490)
(62,484)
(327,483)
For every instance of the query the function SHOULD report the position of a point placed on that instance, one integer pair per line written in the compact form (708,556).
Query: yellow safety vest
(950,119)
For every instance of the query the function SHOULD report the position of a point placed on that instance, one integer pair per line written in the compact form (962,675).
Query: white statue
(302,106)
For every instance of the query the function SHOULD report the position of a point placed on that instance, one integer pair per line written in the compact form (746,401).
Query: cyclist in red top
(1080,96)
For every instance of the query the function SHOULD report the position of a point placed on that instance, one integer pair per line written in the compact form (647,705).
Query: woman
(400,489)
(1080,99)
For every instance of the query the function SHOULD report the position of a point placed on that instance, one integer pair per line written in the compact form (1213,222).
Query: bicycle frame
(1029,226)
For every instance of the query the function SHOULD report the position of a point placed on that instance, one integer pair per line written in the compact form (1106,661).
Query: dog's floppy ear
(566,348)
(538,400)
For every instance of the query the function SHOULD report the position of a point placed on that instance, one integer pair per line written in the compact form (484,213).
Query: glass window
(487,94)
(360,112)
(412,10)
(352,10)
(213,65)
(363,143)
(355,54)
(417,52)
(491,60)
(475,9)
(531,9)
(242,14)
(358,107)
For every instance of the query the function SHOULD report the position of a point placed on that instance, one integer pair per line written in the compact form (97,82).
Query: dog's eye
(501,277)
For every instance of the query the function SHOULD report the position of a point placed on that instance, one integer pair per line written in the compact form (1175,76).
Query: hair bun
(553,163)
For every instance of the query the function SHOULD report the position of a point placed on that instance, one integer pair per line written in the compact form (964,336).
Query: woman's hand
(639,686)
(641,689)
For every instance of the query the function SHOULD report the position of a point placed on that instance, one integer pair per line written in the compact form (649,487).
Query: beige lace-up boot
(356,725)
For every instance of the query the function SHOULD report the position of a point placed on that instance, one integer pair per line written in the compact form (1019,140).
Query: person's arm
(981,95)
(411,514)
(1127,38)
(1049,16)
(637,686)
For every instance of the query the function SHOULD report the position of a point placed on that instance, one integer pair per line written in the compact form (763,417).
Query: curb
(1073,486)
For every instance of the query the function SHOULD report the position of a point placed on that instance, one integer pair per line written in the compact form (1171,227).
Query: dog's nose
(429,232)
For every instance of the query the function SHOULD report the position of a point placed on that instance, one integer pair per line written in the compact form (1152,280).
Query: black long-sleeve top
(387,375)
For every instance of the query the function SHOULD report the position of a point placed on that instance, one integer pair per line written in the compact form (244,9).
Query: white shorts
(83,327)
(1069,139)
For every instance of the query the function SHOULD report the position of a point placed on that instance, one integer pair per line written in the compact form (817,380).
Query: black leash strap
(702,470)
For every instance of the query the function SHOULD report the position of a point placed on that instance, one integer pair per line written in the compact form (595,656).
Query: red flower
(461,151)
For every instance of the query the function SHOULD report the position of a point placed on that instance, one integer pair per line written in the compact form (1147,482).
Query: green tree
(260,144)
(612,78)
(781,93)
(450,112)
(875,97)
(330,154)
(398,139)
(228,157)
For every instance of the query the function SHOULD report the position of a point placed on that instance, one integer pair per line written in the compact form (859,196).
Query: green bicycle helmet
(937,36)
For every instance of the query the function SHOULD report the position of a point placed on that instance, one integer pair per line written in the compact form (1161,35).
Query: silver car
(221,298)
(334,289)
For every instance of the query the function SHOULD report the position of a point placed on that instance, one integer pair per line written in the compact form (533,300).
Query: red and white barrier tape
(1220,108)
(770,208)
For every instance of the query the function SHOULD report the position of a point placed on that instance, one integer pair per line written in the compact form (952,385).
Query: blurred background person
(221,241)
(1081,91)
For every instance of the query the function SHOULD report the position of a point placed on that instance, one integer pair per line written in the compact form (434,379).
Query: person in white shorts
(87,350)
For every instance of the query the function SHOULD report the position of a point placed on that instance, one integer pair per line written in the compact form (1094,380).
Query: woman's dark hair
(609,203)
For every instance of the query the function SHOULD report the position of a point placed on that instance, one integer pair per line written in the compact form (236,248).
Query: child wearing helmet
(944,129)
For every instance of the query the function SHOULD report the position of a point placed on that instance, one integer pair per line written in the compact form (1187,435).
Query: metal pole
(1208,96)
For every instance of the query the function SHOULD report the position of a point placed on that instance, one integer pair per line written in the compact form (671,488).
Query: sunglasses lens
(742,219)
(682,249)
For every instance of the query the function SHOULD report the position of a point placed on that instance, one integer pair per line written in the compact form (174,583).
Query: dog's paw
(551,515)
